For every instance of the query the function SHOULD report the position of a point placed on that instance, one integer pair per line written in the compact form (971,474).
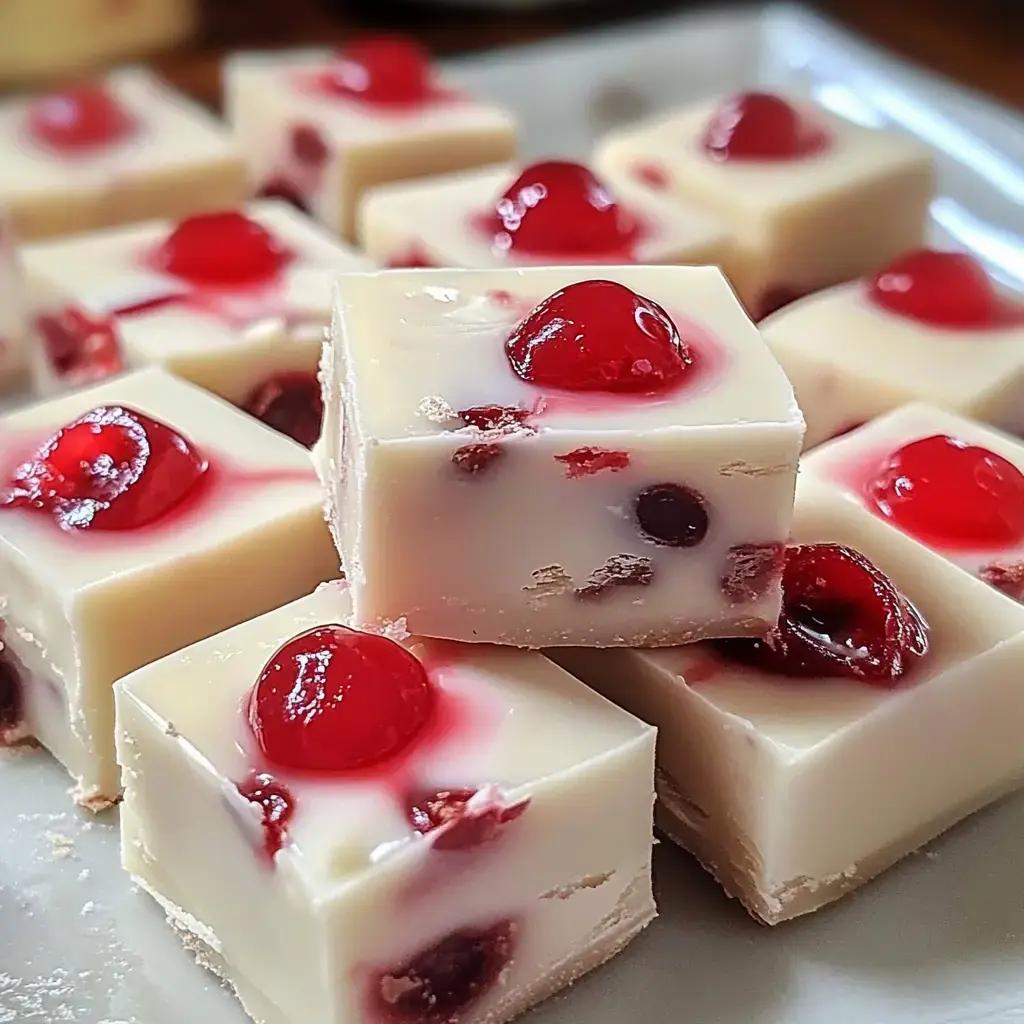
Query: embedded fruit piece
(599,336)
(458,827)
(558,208)
(226,250)
(587,461)
(672,515)
(1006,577)
(410,259)
(80,345)
(337,700)
(777,298)
(282,188)
(111,469)
(277,805)
(949,493)
(308,145)
(290,403)
(475,458)
(943,289)
(79,119)
(494,417)
(618,571)
(761,126)
(438,985)
(387,70)
(652,175)
(841,617)
(751,570)
(11,709)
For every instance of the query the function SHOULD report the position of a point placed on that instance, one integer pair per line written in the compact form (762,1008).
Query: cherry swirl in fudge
(460,819)
(291,403)
(80,121)
(761,127)
(946,290)
(11,695)
(841,617)
(276,805)
(80,346)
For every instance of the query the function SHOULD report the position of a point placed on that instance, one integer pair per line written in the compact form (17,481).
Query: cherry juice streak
(763,128)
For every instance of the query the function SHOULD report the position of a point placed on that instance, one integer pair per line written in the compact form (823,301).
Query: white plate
(938,940)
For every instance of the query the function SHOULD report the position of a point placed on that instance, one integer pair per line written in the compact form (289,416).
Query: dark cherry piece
(112,469)
(462,829)
(336,700)
(559,208)
(494,417)
(777,298)
(672,515)
(841,617)
(588,461)
(384,70)
(438,985)
(277,805)
(943,289)
(282,188)
(751,570)
(221,250)
(80,345)
(308,145)
(949,493)
(1006,577)
(599,336)
(618,571)
(291,403)
(761,126)
(476,458)
(11,701)
(80,119)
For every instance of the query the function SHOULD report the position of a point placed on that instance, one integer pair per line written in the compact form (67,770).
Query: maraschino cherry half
(760,126)
(79,120)
(385,71)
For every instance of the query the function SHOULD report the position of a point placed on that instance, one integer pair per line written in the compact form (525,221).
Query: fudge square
(887,709)
(236,301)
(135,518)
(547,456)
(930,326)
(320,128)
(121,149)
(550,212)
(13,325)
(951,484)
(465,833)
(812,199)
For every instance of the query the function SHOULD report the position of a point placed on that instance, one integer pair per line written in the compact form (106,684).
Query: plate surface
(938,940)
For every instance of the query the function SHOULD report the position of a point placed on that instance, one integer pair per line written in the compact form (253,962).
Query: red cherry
(943,289)
(80,345)
(777,298)
(281,188)
(290,403)
(949,493)
(494,417)
(11,699)
(438,985)
(841,617)
(599,336)
(224,250)
(587,461)
(111,469)
(672,515)
(462,829)
(78,119)
(476,458)
(558,208)
(386,70)
(277,804)
(337,700)
(308,145)
(761,126)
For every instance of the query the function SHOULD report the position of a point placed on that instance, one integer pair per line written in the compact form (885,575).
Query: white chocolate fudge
(811,199)
(468,832)
(320,128)
(951,484)
(579,455)
(795,785)
(121,149)
(13,322)
(205,519)
(242,325)
(929,327)
(463,220)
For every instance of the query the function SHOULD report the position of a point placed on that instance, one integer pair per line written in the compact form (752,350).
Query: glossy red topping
(558,208)
(225,250)
(291,403)
(282,188)
(11,708)
(337,700)
(79,119)
(943,289)
(277,806)
(587,461)
(462,828)
(112,469)
(949,493)
(308,145)
(385,70)
(599,336)
(761,126)
(841,617)
(80,345)
(440,984)
(672,515)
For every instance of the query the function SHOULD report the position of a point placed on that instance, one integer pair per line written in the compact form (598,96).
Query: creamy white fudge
(13,319)
(460,220)
(795,789)
(852,354)
(320,128)
(238,325)
(812,199)
(951,484)
(501,849)
(135,518)
(123,148)
(578,455)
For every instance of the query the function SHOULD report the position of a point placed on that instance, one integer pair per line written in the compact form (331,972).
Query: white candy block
(127,538)
(498,855)
(645,503)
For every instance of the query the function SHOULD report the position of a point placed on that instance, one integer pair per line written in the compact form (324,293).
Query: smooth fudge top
(624,348)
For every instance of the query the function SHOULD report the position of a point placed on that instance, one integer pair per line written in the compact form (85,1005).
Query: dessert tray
(939,939)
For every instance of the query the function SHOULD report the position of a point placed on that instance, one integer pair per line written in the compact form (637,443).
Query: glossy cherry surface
(80,119)
(760,126)
(672,514)
(383,70)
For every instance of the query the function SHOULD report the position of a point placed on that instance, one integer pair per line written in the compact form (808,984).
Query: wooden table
(978,42)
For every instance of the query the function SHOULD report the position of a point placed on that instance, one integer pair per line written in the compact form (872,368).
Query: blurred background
(979,43)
